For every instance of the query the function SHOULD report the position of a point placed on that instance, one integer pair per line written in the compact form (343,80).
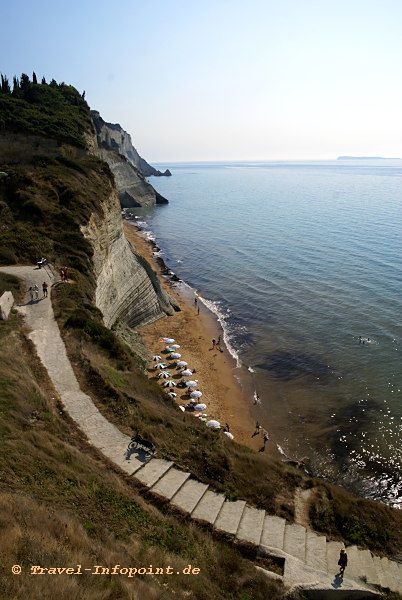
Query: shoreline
(226,392)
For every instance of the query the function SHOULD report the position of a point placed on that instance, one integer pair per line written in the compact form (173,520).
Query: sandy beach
(215,369)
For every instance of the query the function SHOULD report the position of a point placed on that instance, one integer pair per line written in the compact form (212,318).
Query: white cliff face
(114,146)
(132,188)
(126,287)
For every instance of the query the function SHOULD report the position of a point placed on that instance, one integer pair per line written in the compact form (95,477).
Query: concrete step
(355,569)
(378,567)
(118,456)
(273,531)
(333,551)
(170,483)
(316,551)
(369,570)
(187,498)
(250,526)
(152,471)
(208,507)
(294,540)
(391,575)
(229,516)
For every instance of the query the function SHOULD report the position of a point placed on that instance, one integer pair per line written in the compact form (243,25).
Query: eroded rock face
(132,188)
(127,288)
(129,169)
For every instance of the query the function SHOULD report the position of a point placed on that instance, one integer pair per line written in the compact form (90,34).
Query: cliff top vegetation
(54,110)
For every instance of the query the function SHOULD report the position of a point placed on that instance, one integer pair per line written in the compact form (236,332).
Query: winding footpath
(310,561)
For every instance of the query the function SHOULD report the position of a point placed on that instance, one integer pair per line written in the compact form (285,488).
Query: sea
(301,262)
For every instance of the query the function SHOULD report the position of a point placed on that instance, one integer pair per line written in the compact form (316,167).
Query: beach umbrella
(181,363)
(196,394)
(175,346)
(172,395)
(213,424)
(175,355)
(191,383)
(186,372)
(156,358)
(169,383)
(164,375)
(160,366)
(168,340)
(229,435)
(200,407)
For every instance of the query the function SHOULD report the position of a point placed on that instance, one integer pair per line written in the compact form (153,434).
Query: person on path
(258,428)
(35,291)
(31,292)
(195,301)
(213,343)
(342,562)
(44,288)
(257,399)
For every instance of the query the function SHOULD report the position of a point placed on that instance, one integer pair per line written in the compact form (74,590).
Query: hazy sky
(223,79)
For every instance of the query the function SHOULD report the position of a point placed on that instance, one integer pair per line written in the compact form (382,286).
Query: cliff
(58,200)
(113,137)
(127,289)
(128,167)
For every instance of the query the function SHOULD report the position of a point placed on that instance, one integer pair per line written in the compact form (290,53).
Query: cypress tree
(24,83)
(16,86)
(34,79)
(43,81)
(5,86)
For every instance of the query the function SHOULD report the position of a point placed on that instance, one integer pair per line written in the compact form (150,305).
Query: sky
(218,80)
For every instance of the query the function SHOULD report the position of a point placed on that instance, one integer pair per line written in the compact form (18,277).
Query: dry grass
(60,505)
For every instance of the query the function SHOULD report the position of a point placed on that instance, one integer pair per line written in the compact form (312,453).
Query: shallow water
(299,260)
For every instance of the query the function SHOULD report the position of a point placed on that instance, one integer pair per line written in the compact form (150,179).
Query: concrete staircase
(310,561)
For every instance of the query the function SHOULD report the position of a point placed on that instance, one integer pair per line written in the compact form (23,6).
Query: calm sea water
(299,260)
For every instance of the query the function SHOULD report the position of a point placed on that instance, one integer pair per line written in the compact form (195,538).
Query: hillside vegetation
(51,110)
(59,501)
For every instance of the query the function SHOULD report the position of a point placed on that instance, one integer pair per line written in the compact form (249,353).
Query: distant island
(365,158)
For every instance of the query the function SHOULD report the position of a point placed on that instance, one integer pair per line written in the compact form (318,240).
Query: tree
(5,85)
(16,87)
(43,81)
(53,83)
(24,83)
(34,79)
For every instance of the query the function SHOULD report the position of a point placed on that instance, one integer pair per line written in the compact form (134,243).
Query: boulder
(6,304)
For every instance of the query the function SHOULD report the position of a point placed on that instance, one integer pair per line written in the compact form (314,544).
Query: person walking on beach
(31,292)
(195,301)
(342,562)
(36,292)
(44,288)
(198,310)
(213,343)
(258,428)
(257,399)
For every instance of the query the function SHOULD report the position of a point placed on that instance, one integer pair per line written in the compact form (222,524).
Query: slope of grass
(61,506)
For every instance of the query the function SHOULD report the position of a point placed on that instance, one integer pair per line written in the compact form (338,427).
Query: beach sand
(226,399)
